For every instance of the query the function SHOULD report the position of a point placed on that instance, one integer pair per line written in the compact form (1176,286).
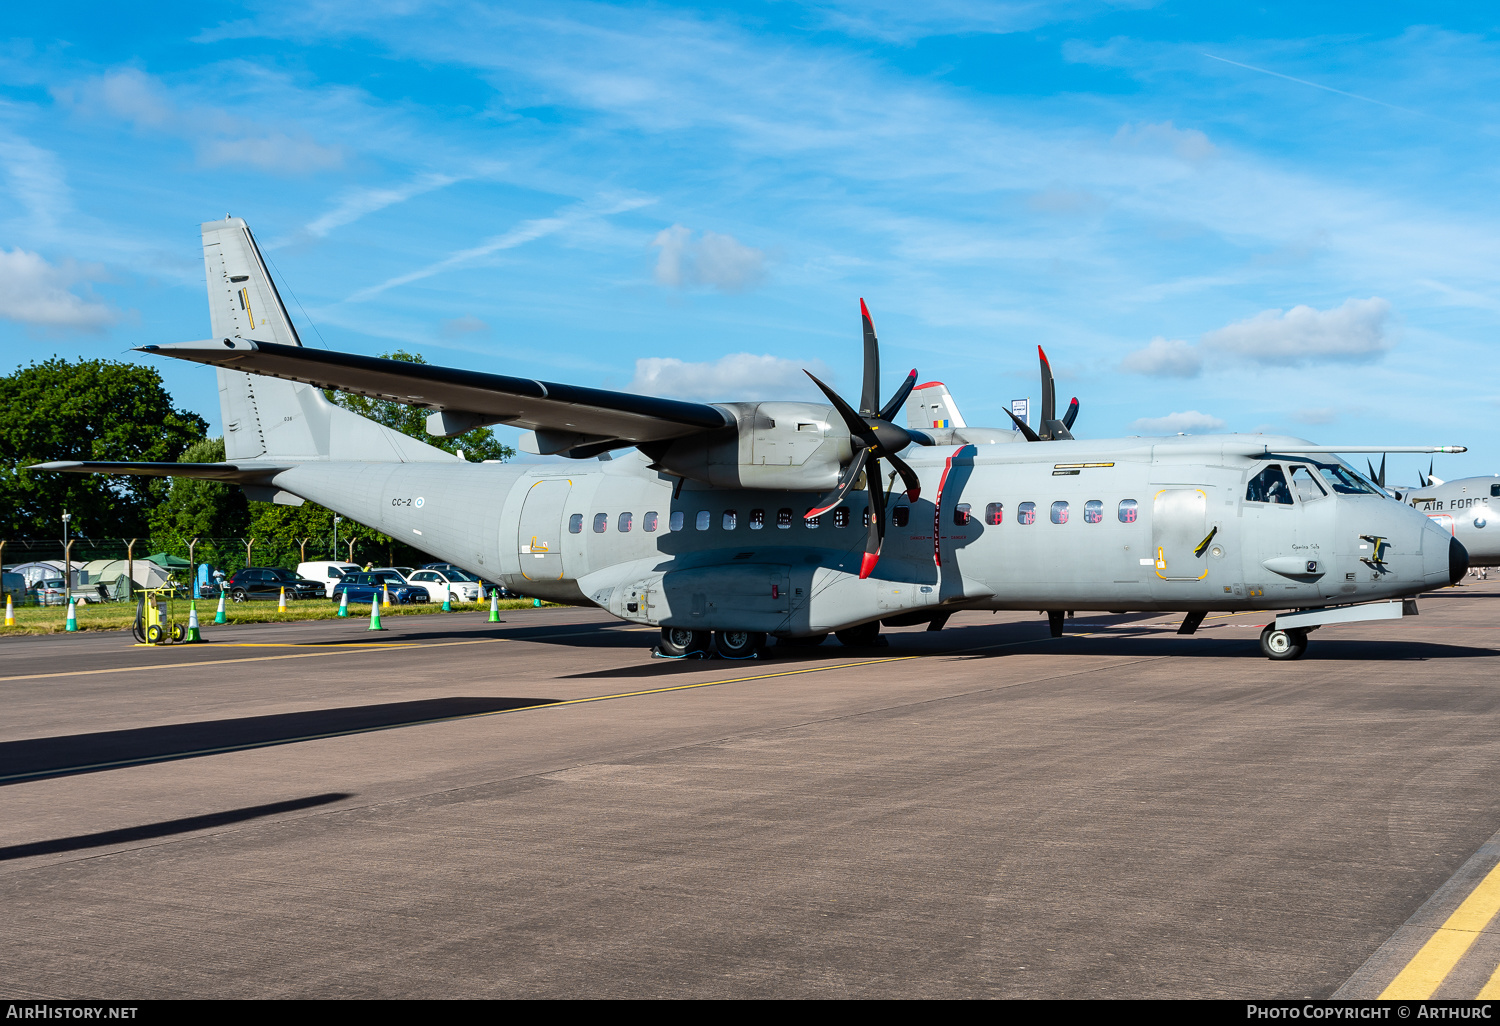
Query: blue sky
(1278,219)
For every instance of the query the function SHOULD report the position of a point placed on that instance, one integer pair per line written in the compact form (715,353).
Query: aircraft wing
(574,414)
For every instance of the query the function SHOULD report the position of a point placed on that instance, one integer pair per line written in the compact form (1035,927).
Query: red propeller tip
(864,310)
(867,565)
(1041,352)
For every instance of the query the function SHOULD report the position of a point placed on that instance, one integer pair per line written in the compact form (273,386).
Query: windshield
(1346,481)
(459,575)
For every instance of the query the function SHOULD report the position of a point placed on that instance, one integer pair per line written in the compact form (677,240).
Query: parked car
(460,584)
(371,585)
(267,582)
(14,585)
(326,573)
(485,587)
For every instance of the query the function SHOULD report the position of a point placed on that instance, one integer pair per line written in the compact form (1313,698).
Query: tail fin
(931,407)
(267,418)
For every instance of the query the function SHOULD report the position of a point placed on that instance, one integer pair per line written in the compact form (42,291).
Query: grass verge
(118,616)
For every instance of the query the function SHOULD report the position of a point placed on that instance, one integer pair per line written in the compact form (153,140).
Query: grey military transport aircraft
(728,523)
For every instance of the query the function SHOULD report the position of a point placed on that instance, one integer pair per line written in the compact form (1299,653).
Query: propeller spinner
(876,437)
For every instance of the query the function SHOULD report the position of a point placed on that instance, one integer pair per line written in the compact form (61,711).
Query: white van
(326,574)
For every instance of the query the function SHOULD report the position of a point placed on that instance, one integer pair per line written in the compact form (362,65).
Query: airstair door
(540,534)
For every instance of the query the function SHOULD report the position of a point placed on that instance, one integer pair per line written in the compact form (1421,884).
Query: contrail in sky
(1315,85)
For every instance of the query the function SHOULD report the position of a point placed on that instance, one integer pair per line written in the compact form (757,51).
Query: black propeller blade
(1380,477)
(874,436)
(1051,427)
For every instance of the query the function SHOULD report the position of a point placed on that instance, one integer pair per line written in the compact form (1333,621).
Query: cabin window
(648,522)
(623,525)
(1305,485)
(757,519)
(813,523)
(1127,511)
(1026,514)
(901,515)
(1494,490)
(1269,486)
(674,523)
(841,517)
(1093,512)
(961,515)
(575,523)
(704,519)
(601,522)
(994,514)
(784,518)
(731,519)
(1059,512)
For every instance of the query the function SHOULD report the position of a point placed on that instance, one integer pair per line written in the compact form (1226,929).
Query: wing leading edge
(565,417)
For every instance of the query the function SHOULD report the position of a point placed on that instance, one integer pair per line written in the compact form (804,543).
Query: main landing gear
(681,643)
(1283,644)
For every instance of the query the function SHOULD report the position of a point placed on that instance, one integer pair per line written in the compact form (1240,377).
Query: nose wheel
(1282,644)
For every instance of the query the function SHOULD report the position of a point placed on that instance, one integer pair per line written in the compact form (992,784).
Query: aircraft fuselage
(1138,524)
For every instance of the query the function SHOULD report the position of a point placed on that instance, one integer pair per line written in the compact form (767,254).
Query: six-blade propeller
(875,437)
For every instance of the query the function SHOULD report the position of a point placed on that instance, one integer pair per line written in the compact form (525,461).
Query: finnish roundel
(1480,521)
(420,501)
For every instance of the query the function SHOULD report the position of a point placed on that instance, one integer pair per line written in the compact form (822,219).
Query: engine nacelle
(791,446)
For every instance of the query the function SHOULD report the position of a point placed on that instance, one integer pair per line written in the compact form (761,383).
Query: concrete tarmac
(538,809)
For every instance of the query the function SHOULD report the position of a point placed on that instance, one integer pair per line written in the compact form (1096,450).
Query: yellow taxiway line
(1432,964)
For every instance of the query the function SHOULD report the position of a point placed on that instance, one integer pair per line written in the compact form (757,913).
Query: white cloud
(738,377)
(719,261)
(221,138)
(1187,143)
(466,325)
(35,292)
(1165,358)
(526,231)
(36,179)
(1354,332)
(1316,415)
(1188,421)
(360,202)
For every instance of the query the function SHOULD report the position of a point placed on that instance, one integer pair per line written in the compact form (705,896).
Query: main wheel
(866,635)
(1279,644)
(154,634)
(680,641)
(179,632)
(238,595)
(738,644)
(811,641)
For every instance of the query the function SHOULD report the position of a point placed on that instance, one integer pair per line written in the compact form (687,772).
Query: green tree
(209,509)
(89,410)
(477,445)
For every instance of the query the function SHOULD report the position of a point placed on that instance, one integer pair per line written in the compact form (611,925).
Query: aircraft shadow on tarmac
(172,827)
(46,757)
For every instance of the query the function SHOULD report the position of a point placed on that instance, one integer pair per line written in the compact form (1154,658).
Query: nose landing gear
(1283,644)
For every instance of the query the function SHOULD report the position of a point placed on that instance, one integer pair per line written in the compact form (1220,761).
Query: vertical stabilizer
(931,407)
(267,418)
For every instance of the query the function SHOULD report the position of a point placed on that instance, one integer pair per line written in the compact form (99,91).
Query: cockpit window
(1495,489)
(1305,485)
(1343,480)
(1269,486)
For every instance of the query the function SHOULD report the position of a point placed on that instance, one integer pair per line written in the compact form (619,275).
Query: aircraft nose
(1458,561)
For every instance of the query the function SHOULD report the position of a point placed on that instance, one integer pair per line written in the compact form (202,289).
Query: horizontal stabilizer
(234,473)
(486,398)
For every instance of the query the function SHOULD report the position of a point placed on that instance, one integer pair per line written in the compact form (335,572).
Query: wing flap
(490,398)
